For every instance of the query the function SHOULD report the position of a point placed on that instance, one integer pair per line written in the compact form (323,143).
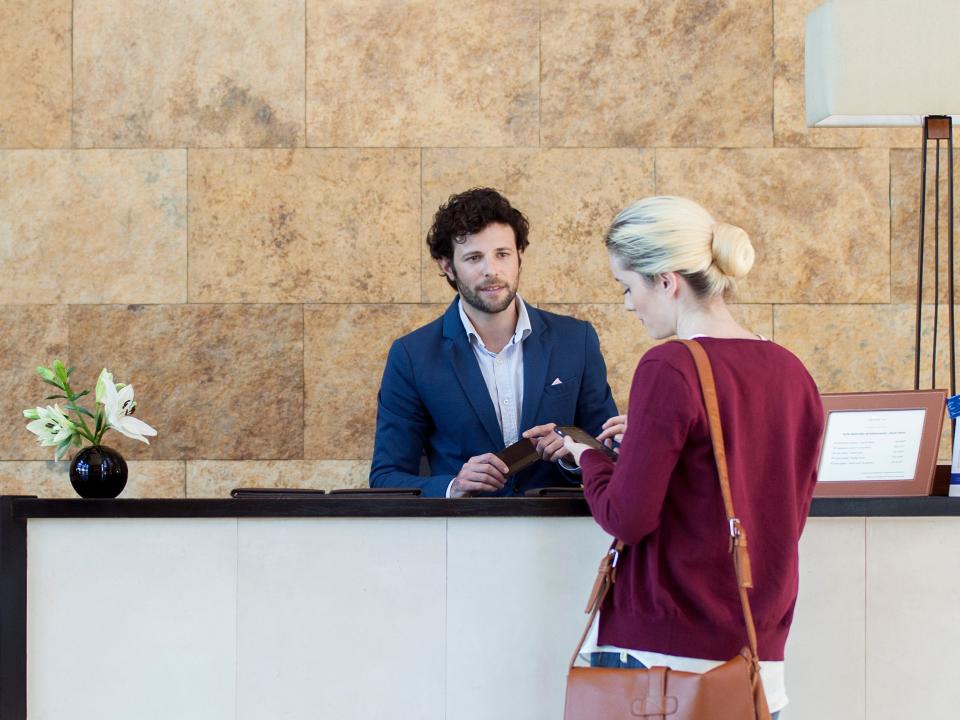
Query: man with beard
(489,371)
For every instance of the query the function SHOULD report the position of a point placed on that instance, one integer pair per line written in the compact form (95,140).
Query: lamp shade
(882,63)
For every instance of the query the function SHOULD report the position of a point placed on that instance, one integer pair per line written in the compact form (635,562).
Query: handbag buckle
(735,533)
(735,528)
(616,556)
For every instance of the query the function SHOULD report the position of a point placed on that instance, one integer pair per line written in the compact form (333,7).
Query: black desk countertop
(16,511)
(22,507)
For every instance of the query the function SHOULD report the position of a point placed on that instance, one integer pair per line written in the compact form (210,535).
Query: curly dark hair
(470,212)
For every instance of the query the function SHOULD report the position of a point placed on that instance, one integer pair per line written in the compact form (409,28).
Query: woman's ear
(669,282)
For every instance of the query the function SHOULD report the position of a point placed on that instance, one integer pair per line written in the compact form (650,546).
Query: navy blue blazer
(433,400)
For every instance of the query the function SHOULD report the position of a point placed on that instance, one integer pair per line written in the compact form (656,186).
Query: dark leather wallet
(522,454)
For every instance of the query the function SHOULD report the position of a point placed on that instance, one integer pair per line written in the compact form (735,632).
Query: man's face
(486,268)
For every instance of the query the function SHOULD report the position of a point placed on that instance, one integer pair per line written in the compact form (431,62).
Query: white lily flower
(105,379)
(117,406)
(51,426)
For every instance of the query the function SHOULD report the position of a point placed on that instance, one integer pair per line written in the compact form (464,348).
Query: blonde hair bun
(732,250)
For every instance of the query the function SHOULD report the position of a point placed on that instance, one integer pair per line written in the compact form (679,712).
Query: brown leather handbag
(732,691)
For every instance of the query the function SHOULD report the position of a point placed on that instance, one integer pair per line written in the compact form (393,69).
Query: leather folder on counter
(376,492)
(242,493)
(301,493)
(565,492)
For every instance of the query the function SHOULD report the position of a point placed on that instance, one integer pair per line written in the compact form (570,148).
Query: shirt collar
(520,334)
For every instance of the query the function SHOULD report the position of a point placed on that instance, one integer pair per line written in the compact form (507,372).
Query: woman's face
(649,301)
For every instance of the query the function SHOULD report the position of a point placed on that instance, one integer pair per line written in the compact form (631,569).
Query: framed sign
(880,444)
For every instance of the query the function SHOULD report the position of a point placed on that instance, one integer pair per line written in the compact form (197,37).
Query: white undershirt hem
(772,672)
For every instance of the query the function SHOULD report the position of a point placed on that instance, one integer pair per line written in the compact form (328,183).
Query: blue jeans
(612,660)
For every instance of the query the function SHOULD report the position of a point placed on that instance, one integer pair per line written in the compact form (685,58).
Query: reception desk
(416,609)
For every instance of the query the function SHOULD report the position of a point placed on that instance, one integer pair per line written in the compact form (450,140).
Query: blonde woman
(675,602)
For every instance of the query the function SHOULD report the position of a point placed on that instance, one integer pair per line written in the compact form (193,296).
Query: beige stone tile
(657,73)
(905,171)
(213,478)
(624,340)
(789,121)
(345,350)
(35,74)
(92,226)
(568,195)
(191,73)
(304,225)
(860,348)
(865,348)
(818,219)
(215,381)
(422,73)
(30,335)
(145,479)
(758,318)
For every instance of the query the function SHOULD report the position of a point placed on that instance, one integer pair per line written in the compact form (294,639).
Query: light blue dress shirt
(503,371)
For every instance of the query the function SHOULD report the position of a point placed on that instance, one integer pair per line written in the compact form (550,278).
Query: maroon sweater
(676,592)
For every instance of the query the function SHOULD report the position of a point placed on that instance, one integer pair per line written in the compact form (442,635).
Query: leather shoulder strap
(738,536)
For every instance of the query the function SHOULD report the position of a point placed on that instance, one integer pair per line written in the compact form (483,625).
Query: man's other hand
(548,444)
(481,473)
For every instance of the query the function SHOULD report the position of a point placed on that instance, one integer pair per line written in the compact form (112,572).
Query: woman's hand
(574,448)
(613,430)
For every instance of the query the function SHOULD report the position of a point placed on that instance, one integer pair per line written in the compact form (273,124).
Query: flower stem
(72,397)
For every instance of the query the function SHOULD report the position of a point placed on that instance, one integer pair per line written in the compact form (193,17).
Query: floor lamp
(891,63)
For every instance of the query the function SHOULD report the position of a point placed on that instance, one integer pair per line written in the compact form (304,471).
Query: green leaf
(45,373)
(62,448)
(70,371)
(81,410)
(60,370)
(80,395)
(57,385)
(99,421)
(56,397)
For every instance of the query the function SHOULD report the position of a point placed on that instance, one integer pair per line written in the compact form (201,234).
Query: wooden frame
(841,406)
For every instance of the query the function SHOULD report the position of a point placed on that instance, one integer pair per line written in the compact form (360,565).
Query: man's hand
(613,430)
(481,473)
(548,444)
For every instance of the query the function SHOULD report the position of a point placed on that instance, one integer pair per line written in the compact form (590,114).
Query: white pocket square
(556,381)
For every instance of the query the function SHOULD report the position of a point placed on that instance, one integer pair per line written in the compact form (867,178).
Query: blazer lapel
(536,358)
(468,373)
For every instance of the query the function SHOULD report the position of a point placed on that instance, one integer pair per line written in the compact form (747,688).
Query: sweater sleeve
(626,498)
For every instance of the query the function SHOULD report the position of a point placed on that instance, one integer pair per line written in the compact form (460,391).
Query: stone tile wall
(225,203)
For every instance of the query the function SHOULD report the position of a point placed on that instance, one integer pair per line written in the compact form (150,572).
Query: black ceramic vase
(98,472)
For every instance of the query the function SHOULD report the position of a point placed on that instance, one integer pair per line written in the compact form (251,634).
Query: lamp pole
(938,128)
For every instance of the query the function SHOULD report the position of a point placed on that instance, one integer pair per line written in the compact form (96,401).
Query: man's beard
(476,300)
